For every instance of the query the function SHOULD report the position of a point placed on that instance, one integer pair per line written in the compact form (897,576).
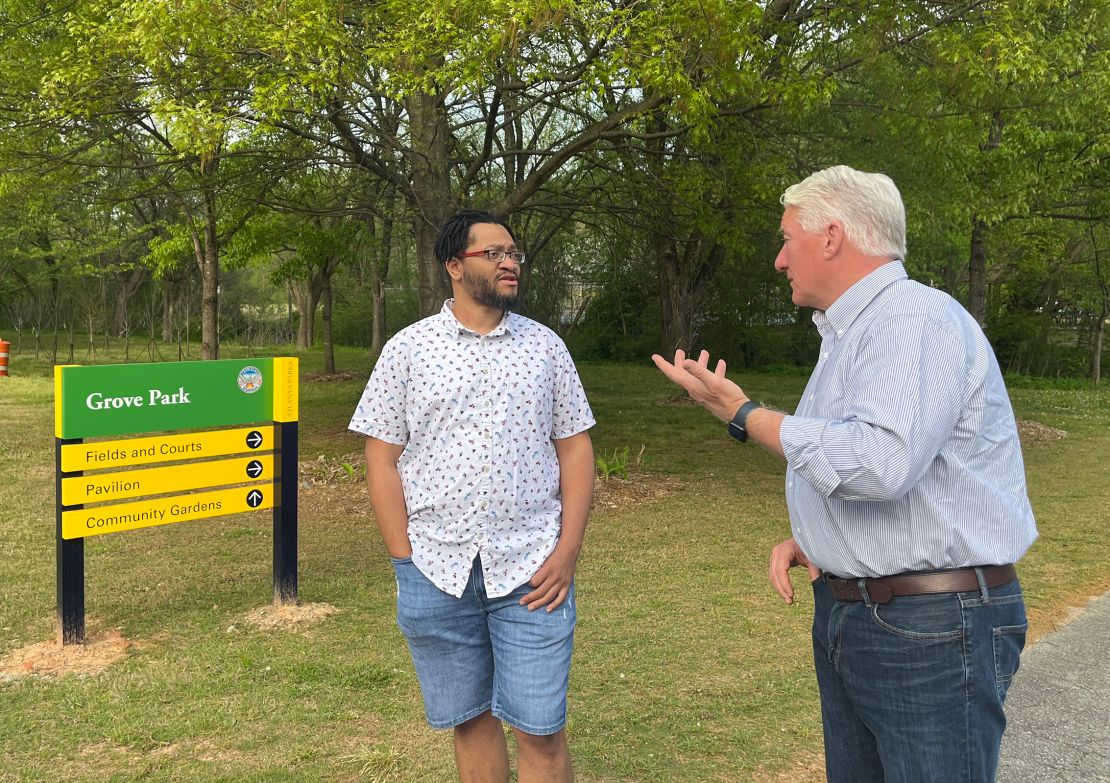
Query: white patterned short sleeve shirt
(477,415)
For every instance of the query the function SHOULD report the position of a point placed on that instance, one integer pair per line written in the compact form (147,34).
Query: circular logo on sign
(250,379)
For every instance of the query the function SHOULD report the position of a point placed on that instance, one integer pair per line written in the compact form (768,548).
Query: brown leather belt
(881,589)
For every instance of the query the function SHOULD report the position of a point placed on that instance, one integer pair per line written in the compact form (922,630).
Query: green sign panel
(121,399)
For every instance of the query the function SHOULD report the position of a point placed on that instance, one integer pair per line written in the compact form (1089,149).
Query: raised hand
(711,389)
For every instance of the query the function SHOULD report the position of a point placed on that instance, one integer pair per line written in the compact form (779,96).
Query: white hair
(868,206)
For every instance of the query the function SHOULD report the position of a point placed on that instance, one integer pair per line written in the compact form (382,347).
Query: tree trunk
(379,273)
(54,304)
(684,273)
(290,305)
(306,297)
(46,245)
(127,289)
(677,323)
(951,272)
(977,261)
(208,259)
(1096,359)
(167,309)
(1049,292)
(325,294)
(686,263)
(977,273)
(1104,311)
(430,195)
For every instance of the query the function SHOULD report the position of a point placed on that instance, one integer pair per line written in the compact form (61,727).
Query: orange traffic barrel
(4,346)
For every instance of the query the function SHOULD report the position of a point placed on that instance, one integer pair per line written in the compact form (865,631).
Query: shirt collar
(454,327)
(848,306)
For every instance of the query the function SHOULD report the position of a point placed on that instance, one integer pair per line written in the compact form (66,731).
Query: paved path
(1059,705)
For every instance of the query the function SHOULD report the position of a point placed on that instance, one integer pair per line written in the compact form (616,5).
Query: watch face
(738,432)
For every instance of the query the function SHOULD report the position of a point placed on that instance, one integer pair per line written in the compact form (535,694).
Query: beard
(484,292)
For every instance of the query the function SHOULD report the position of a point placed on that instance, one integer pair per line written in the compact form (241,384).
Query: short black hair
(455,234)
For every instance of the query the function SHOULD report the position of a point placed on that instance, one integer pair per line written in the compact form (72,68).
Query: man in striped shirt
(906,491)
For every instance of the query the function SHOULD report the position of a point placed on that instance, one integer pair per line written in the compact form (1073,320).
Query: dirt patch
(1035,432)
(335,501)
(286,616)
(53,659)
(617,493)
(107,758)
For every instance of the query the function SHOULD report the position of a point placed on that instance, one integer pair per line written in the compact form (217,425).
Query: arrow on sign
(254,498)
(254,468)
(254,439)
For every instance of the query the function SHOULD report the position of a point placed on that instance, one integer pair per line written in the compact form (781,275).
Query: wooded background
(175,171)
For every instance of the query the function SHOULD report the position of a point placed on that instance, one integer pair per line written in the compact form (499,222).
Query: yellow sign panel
(163,511)
(165,448)
(102,487)
(285,388)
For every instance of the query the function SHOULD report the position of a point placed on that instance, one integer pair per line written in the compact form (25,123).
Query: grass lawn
(687,666)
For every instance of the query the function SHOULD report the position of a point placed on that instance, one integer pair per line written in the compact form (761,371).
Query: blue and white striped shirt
(903,454)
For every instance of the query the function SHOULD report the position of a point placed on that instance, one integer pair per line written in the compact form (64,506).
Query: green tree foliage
(640,149)
(158,88)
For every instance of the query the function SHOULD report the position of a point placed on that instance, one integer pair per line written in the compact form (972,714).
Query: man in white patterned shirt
(481,472)
(906,491)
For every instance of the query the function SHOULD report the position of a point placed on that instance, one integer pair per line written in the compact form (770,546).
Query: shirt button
(485,468)
(489,403)
(485,371)
(485,433)
(484,507)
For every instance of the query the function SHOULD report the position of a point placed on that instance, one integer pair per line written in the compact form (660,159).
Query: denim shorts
(476,653)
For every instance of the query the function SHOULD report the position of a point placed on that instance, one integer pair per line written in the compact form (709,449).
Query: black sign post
(285,514)
(71,564)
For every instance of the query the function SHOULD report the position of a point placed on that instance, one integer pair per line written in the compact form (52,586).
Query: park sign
(130,398)
(222,436)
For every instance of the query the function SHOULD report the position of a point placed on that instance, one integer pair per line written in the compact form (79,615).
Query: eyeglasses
(496,256)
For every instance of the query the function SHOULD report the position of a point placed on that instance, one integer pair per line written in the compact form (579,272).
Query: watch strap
(737,427)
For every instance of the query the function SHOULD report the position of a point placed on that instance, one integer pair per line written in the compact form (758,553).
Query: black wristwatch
(736,427)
